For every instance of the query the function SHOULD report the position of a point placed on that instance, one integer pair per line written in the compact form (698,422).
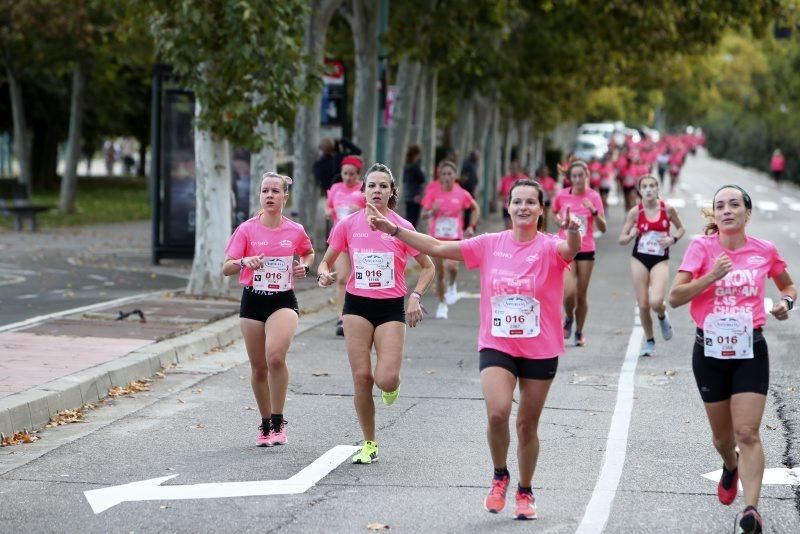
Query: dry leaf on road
(377,526)
(320,374)
(18,439)
(670,373)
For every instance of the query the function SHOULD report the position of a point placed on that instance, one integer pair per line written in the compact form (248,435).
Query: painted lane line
(599,507)
(779,476)
(10,279)
(767,205)
(98,277)
(28,296)
(33,321)
(794,207)
(676,202)
(151,490)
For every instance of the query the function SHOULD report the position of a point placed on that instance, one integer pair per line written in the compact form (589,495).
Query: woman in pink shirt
(444,206)
(722,276)
(587,206)
(777,165)
(344,198)
(262,252)
(519,338)
(374,310)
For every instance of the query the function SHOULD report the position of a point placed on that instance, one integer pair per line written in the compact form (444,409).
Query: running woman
(262,252)
(444,206)
(519,336)
(506,182)
(587,206)
(374,311)
(649,224)
(344,198)
(722,275)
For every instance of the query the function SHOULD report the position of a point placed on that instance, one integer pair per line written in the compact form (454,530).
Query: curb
(32,409)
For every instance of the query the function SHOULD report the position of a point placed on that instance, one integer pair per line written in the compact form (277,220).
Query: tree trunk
(461,126)
(523,152)
(69,181)
(306,126)
(407,77)
(494,153)
(428,123)
(21,148)
(418,109)
(140,170)
(508,144)
(483,113)
(262,161)
(363,16)
(212,213)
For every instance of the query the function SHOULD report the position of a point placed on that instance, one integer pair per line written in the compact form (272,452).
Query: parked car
(588,146)
(606,129)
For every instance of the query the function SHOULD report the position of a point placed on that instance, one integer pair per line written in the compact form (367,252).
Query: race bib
(274,275)
(374,270)
(515,316)
(446,227)
(342,212)
(728,336)
(648,244)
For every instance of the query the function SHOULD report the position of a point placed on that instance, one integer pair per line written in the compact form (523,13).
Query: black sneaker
(749,522)
(339,328)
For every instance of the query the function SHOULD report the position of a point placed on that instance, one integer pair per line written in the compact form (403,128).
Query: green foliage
(243,60)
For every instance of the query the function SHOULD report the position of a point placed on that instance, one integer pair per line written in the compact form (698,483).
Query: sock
(652,340)
(523,489)
(265,423)
(502,472)
(277,419)
(662,317)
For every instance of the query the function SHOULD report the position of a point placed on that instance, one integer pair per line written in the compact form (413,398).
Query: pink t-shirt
(512,275)
(742,289)
(344,200)
(448,222)
(252,238)
(378,260)
(565,199)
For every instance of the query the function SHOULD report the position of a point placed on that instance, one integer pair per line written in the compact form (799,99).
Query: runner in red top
(514,174)
(262,251)
(344,198)
(723,275)
(444,207)
(519,340)
(374,307)
(649,225)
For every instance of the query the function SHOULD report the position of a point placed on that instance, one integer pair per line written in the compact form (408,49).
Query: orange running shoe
(496,500)
(526,506)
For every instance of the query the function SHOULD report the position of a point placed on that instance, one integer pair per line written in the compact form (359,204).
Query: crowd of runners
(533,294)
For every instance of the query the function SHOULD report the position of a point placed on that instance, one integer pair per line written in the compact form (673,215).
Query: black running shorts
(376,311)
(544,369)
(259,305)
(718,379)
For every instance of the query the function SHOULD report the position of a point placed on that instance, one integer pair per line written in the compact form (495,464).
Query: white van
(606,129)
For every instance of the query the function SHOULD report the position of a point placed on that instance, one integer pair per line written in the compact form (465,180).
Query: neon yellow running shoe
(390,396)
(367,454)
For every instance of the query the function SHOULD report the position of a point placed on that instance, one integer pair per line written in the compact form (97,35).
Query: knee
(387,381)
(644,307)
(363,381)
(583,301)
(498,417)
(747,435)
(724,443)
(276,360)
(259,371)
(526,430)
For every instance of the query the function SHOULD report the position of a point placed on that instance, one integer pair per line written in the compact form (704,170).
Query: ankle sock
(276,419)
(523,489)
(502,472)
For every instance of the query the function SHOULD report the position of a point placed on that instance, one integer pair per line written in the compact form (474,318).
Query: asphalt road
(198,423)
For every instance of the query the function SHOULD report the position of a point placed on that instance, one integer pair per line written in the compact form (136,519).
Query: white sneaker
(441,311)
(451,294)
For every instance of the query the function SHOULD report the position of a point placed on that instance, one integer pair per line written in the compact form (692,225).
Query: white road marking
(151,490)
(10,279)
(774,475)
(794,207)
(676,202)
(28,296)
(599,507)
(98,277)
(767,205)
(33,321)
(702,203)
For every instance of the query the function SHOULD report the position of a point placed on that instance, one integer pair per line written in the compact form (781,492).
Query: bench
(14,202)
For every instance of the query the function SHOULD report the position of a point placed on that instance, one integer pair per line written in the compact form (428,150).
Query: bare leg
(747,410)
(533,394)
(584,269)
(358,335)
(255,344)
(498,391)
(280,329)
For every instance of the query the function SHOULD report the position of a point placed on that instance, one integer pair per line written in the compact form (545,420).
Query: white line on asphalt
(28,296)
(773,475)
(33,321)
(11,279)
(794,207)
(676,202)
(98,277)
(767,205)
(599,507)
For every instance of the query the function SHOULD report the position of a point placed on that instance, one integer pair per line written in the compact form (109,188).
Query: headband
(748,203)
(355,161)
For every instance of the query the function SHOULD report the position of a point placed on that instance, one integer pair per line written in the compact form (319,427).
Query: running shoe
(367,454)
(339,328)
(264,433)
(278,436)
(567,327)
(495,501)
(649,349)
(728,485)
(389,397)
(580,340)
(451,295)
(441,311)
(526,506)
(666,327)
(749,522)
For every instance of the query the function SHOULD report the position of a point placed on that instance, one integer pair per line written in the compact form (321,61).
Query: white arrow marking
(151,490)
(774,475)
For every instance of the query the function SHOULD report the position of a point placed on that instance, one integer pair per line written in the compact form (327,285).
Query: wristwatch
(789,302)
(307,268)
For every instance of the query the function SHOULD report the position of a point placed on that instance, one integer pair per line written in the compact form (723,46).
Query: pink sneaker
(277,437)
(526,506)
(264,434)
(496,500)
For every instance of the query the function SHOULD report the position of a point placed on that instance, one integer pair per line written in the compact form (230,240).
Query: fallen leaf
(181,401)
(250,408)
(670,373)
(320,374)
(377,526)
(430,372)
(18,438)
(163,507)
(137,386)
(791,388)
(198,390)
(770,427)
(198,426)
(159,374)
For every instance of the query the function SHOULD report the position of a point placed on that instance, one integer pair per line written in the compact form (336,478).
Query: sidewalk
(71,359)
